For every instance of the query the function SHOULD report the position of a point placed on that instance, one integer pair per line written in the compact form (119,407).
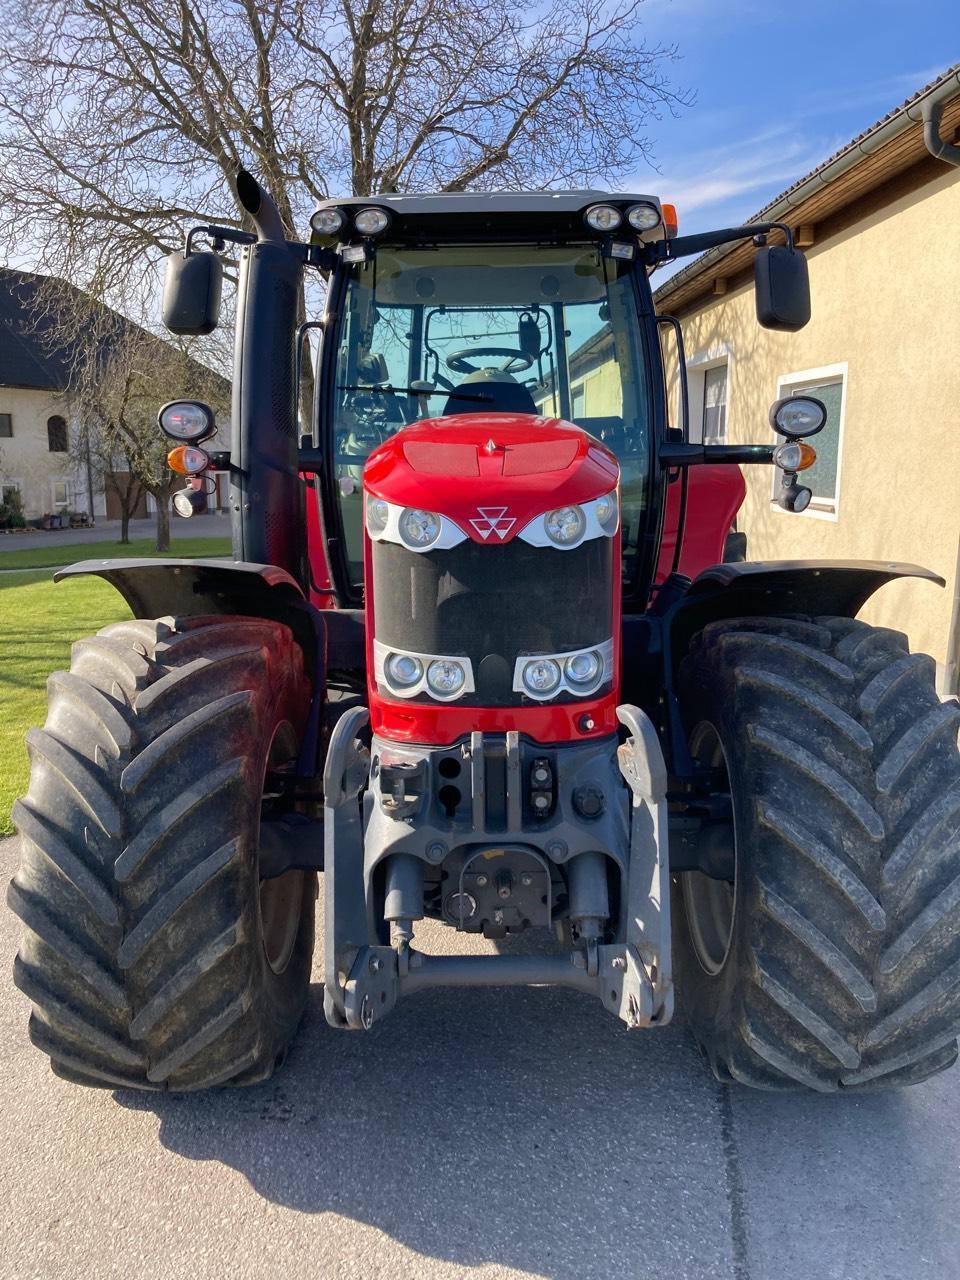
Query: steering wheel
(514,360)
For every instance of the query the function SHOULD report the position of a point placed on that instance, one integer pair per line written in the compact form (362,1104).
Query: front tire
(153,954)
(833,959)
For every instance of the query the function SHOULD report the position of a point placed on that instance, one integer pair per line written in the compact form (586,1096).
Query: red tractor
(480,658)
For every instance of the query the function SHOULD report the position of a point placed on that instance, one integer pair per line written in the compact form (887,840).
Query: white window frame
(60,507)
(10,484)
(796,384)
(697,366)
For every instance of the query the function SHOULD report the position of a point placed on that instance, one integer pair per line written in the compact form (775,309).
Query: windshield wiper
(415,391)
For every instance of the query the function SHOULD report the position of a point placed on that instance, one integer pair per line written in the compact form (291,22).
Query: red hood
(503,466)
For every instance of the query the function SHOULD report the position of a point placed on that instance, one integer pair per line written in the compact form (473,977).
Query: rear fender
(660,640)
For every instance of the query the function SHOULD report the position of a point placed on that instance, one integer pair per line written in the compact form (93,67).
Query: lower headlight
(419,528)
(403,670)
(541,676)
(565,526)
(583,669)
(445,678)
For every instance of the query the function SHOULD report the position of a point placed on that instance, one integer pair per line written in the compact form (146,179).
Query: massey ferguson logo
(493,520)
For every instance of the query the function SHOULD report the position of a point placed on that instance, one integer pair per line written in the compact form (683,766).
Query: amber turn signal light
(670,220)
(188,460)
(794,456)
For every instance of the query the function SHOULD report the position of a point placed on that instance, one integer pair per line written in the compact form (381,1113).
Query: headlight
(583,669)
(541,676)
(607,510)
(603,217)
(186,420)
(403,670)
(566,525)
(326,222)
(370,222)
(445,678)
(377,513)
(643,217)
(797,416)
(418,528)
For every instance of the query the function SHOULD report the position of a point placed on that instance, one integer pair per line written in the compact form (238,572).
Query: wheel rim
(280,899)
(710,905)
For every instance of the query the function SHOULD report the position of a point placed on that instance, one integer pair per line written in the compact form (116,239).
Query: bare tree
(118,375)
(122,120)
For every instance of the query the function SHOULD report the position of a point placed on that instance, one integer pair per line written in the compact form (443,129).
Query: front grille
(493,603)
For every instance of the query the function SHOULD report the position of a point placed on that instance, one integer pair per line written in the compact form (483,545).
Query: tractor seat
(502,392)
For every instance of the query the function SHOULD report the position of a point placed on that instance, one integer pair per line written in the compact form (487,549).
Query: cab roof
(483,215)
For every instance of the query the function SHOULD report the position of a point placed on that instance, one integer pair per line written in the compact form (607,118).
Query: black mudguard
(655,643)
(329,638)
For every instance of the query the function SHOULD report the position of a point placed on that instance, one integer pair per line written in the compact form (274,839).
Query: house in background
(37,425)
(34,413)
(880,225)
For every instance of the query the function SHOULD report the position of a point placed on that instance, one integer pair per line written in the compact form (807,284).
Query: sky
(778,88)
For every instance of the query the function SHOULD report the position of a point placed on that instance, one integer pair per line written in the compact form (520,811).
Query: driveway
(206,526)
(491,1134)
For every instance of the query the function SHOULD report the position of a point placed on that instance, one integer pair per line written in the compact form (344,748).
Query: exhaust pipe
(260,206)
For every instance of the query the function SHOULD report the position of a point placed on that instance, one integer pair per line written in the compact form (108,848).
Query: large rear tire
(833,960)
(153,954)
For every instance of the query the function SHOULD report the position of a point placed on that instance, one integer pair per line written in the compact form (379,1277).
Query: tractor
(484,657)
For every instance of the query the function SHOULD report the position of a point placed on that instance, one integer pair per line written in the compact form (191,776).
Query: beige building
(38,430)
(880,225)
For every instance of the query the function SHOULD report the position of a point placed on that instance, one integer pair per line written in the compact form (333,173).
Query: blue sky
(779,87)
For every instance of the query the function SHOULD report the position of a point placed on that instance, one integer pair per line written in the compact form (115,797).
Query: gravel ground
(491,1134)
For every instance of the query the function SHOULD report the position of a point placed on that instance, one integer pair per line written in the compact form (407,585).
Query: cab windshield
(426,333)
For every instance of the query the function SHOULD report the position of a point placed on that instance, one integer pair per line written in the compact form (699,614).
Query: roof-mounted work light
(603,217)
(326,222)
(371,221)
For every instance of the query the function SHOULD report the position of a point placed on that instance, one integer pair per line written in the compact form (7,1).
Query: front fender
(838,588)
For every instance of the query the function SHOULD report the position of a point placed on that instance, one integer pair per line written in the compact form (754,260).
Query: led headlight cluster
(406,674)
(412,527)
(566,527)
(607,217)
(371,220)
(580,672)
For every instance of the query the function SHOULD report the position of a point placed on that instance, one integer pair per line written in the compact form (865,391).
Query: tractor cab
(460,306)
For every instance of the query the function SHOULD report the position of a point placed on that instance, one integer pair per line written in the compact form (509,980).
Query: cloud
(719,174)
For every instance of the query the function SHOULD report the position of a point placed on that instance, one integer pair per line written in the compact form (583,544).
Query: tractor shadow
(525,1128)
(529,1130)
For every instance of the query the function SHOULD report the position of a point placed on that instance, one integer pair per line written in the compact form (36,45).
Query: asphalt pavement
(204,526)
(490,1133)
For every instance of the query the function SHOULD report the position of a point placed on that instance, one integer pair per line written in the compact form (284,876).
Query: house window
(578,400)
(6,426)
(61,495)
(715,404)
(823,478)
(57,434)
(7,487)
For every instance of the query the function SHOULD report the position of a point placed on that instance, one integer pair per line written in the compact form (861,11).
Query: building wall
(886,303)
(26,460)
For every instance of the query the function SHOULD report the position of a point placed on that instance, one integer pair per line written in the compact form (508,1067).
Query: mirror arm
(685,246)
(692,455)
(216,234)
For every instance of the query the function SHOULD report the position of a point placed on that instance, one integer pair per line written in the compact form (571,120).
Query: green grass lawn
(38,623)
(51,557)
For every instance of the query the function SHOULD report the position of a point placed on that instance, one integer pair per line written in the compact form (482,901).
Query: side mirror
(782,287)
(191,292)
